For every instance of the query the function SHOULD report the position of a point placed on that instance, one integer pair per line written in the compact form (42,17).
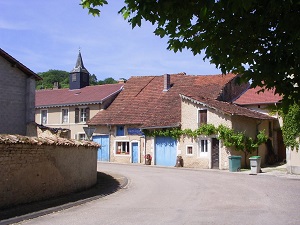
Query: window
(203,148)
(44,116)
(202,117)
(65,116)
(122,147)
(82,115)
(189,150)
(120,131)
(81,137)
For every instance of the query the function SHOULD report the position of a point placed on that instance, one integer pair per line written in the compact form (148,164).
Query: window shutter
(76,115)
(87,111)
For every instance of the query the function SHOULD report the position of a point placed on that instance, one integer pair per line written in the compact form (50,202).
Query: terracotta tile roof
(143,102)
(252,97)
(66,97)
(19,65)
(227,108)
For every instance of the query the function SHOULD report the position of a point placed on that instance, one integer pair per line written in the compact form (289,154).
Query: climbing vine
(291,127)
(229,137)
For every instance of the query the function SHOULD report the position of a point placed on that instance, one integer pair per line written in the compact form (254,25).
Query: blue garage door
(103,151)
(165,151)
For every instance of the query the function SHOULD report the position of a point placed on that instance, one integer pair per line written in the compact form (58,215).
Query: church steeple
(79,76)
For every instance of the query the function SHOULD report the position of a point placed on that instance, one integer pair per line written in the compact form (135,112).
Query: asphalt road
(173,196)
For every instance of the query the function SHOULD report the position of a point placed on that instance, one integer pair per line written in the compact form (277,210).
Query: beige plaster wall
(55,121)
(39,169)
(293,161)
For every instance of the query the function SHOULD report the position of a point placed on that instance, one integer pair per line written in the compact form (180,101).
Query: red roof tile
(251,97)
(65,97)
(143,102)
(228,108)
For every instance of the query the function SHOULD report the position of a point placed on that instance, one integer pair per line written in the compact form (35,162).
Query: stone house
(69,109)
(264,102)
(172,101)
(17,97)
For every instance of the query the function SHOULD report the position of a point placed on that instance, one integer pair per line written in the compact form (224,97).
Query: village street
(156,195)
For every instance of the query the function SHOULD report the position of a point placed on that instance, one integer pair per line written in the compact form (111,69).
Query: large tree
(257,38)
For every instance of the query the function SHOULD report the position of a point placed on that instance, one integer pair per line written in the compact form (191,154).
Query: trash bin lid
(255,157)
(234,157)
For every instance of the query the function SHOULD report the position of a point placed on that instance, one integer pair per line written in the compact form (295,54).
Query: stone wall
(33,169)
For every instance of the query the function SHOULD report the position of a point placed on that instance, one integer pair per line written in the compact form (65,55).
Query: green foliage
(291,127)
(62,77)
(229,137)
(52,76)
(259,39)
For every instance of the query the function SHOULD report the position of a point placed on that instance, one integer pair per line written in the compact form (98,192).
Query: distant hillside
(62,77)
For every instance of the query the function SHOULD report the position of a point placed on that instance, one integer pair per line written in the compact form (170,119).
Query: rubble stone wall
(33,169)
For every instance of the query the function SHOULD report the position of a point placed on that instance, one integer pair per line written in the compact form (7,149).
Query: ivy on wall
(291,127)
(229,137)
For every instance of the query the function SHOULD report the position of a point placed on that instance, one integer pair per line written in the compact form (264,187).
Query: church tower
(79,77)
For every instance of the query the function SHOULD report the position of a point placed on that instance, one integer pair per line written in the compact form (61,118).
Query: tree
(257,38)
(52,76)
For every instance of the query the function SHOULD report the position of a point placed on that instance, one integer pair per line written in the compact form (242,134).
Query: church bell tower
(79,77)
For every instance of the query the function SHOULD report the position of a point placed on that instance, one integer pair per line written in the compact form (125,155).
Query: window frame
(187,150)
(78,116)
(119,151)
(199,119)
(79,136)
(203,152)
(62,116)
(41,112)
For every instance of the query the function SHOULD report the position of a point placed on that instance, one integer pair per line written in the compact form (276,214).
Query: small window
(202,117)
(44,116)
(81,137)
(120,131)
(189,150)
(122,147)
(65,115)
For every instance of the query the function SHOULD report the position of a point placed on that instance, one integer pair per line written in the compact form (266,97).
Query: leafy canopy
(257,38)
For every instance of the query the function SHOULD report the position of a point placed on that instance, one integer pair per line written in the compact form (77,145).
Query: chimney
(55,85)
(167,82)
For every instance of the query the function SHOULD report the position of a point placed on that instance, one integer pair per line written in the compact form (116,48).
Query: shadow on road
(106,184)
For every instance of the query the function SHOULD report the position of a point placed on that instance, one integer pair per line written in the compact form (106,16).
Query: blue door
(135,152)
(165,151)
(103,151)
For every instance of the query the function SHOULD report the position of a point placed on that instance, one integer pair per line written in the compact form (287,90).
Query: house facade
(173,101)
(70,109)
(17,97)
(265,102)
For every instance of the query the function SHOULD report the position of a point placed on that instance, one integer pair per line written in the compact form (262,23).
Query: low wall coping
(58,141)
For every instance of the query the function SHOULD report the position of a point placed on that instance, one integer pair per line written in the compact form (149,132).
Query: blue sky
(47,35)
